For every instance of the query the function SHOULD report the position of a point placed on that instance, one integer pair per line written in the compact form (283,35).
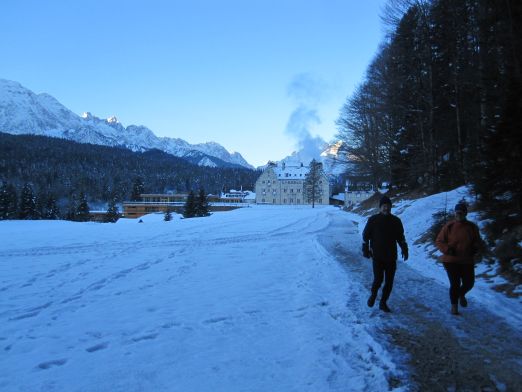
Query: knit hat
(461,207)
(385,200)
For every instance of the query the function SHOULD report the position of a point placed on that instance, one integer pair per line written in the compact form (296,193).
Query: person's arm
(366,239)
(367,232)
(479,246)
(401,240)
(442,241)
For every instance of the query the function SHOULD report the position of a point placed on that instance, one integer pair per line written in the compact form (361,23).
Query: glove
(366,250)
(450,252)
(404,253)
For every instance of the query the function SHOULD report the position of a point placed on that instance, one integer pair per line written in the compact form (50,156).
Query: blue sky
(256,76)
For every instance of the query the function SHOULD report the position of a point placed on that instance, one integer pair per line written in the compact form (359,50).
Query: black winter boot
(454,309)
(384,307)
(371,300)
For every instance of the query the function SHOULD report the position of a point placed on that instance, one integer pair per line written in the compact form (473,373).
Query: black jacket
(384,232)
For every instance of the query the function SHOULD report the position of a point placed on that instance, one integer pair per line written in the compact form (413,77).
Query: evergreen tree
(113,213)
(51,210)
(27,203)
(201,205)
(137,189)
(4,201)
(190,206)
(12,202)
(83,213)
(313,182)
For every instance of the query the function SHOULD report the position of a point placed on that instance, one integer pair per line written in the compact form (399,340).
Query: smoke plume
(308,92)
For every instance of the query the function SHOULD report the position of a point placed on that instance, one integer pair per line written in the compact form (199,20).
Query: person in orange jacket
(459,241)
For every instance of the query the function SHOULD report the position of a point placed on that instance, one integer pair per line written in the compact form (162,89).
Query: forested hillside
(441,106)
(66,169)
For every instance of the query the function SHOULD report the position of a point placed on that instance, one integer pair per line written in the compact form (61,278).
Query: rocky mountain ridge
(24,112)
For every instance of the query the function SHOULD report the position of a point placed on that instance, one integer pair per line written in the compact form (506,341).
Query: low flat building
(175,202)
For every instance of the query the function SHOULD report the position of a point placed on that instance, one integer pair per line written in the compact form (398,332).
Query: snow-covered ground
(249,300)
(417,217)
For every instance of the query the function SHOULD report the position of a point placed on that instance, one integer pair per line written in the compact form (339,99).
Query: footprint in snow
(49,364)
(216,320)
(151,336)
(97,347)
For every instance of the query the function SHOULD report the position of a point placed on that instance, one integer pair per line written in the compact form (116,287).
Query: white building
(240,196)
(283,183)
(352,197)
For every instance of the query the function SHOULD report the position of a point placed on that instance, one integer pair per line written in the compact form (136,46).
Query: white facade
(241,195)
(284,184)
(353,197)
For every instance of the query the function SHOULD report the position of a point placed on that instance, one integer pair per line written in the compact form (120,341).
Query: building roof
(293,170)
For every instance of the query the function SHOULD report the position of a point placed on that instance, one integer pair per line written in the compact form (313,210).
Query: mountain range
(24,112)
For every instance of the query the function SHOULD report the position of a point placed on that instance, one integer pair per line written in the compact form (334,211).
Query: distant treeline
(63,170)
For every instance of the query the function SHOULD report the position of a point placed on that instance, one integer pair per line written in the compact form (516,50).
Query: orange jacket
(459,241)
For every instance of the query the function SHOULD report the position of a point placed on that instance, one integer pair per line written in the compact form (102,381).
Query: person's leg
(467,275)
(378,276)
(452,269)
(389,275)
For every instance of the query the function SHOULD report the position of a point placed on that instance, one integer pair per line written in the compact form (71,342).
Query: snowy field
(249,300)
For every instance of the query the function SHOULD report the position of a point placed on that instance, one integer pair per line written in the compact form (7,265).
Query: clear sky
(256,76)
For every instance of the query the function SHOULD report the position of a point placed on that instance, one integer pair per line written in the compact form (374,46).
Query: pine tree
(4,201)
(137,189)
(201,204)
(190,206)
(312,184)
(12,204)
(12,208)
(113,213)
(83,213)
(27,203)
(51,210)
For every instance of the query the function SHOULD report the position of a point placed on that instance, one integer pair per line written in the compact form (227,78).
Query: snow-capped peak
(24,112)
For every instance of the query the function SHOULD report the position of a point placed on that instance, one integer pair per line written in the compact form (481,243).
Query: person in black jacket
(381,235)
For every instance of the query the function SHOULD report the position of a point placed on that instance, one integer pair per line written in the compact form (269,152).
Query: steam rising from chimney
(308,91)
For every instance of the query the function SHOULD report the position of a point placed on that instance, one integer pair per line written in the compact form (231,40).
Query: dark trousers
(383,270)
(461,278)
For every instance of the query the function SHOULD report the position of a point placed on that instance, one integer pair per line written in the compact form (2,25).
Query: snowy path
(259,299)
(241,301)
(477,351)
